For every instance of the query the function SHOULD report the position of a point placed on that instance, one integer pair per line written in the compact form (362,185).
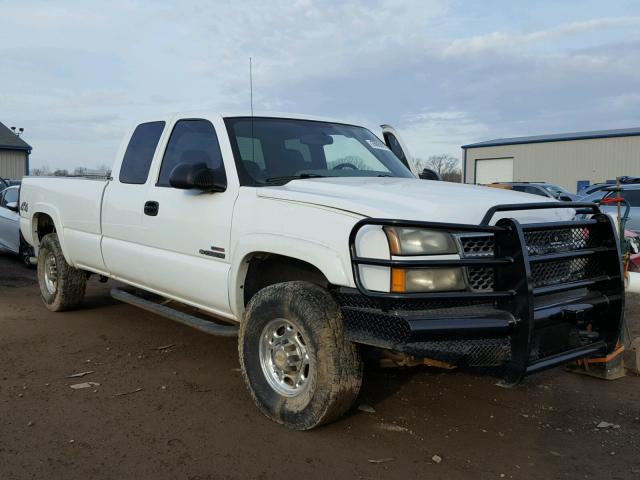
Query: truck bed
(73,202)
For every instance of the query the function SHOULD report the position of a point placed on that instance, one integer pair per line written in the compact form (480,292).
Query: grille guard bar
(514,291)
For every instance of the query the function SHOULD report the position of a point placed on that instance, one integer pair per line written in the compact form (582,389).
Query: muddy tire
(62,287)
(298,367)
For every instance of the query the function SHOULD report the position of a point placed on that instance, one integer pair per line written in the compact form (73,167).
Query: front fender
(333,265)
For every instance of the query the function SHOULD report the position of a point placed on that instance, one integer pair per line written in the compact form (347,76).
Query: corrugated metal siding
(12,164)
(565,163)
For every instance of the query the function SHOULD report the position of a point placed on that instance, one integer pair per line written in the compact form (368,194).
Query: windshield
(594,197)
(276,150)
(555,190)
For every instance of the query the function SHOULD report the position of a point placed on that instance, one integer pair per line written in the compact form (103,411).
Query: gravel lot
(182,411)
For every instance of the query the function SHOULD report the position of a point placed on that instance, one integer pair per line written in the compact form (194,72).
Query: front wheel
(300,370)
(62,287)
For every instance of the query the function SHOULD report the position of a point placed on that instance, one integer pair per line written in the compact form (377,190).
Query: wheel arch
(44,221)
(256,269)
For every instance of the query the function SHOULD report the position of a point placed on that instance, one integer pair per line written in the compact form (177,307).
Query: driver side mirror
(13,206)
(564,198)
(188,176)
(429,174)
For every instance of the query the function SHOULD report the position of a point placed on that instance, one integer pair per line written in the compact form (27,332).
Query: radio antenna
(253,140)
(251,85)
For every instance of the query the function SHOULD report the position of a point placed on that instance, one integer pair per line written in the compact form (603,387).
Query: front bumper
(554,293)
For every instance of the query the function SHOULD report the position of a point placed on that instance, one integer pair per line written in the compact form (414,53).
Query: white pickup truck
(313,241)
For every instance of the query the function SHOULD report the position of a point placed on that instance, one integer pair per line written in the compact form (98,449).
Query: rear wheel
(62,287)
(299,368)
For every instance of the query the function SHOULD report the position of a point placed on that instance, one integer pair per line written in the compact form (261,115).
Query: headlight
(427,280)
(417,241)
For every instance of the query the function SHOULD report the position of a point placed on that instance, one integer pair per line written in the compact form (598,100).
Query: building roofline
(560,137)
(16,147)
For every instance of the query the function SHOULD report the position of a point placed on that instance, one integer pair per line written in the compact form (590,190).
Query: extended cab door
(123,233)
(398,147)
(187,232)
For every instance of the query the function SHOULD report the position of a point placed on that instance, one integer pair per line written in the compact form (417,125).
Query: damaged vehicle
(312,240)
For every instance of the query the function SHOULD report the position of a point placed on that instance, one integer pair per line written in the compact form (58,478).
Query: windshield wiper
(286,178)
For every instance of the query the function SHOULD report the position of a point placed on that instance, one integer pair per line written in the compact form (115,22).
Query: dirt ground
(185,413)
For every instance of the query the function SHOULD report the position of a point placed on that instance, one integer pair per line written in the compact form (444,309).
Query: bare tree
(80,171)
(40,171)
(446,165)
(354,160)
(104,169)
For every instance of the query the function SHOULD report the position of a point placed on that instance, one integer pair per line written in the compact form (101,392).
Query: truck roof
(239,113)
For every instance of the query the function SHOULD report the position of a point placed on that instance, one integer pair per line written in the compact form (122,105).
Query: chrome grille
(538,242)
(477,245)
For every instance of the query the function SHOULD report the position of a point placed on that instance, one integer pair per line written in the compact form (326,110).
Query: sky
(76,75)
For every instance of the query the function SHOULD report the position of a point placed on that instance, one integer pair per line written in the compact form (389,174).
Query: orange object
(608,358)
(398,283)
(393,239)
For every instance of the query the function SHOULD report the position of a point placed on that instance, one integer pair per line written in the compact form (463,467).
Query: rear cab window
(140,151)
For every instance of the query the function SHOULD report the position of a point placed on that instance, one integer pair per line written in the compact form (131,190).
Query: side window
(11,195)
(137,159)
(191,141)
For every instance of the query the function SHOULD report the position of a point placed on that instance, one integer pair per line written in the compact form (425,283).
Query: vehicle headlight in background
(417,241)
(427,280)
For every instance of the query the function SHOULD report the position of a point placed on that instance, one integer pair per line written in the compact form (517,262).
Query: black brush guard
(532,318)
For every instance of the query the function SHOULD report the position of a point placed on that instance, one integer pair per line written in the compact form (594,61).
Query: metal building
(14,154)
(565,159)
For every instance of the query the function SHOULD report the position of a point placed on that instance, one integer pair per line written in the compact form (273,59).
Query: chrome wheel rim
(284,358)
(50,273)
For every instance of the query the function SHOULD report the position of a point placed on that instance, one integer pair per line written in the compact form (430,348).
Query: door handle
(151,208)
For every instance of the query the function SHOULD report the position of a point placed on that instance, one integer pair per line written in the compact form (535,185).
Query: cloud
(443,72)
(513,41)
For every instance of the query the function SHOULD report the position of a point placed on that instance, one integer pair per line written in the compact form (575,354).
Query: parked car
(542,189)
(595,187)
(594,196)
(315,242)
(631,193)
(11,239)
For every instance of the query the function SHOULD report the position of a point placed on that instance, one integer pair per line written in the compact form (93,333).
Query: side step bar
(172,314)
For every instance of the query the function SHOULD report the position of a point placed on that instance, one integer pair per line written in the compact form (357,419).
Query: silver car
(631,193)
(10,238)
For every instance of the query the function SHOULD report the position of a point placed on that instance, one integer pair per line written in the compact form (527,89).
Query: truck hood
(411,199)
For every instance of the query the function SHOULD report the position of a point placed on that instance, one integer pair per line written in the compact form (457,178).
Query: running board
(200,324)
